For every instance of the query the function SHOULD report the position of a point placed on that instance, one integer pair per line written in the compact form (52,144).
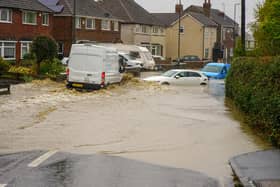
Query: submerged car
(180,77)
(216,70)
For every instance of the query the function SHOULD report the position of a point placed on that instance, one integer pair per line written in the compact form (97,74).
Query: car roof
(191,70)
(216,64)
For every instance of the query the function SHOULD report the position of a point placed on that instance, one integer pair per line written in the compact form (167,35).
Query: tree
(44,48)
(267,27)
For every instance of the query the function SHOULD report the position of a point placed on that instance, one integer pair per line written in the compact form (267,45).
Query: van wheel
(165,83)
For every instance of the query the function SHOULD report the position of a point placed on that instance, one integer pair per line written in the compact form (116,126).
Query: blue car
(216,70)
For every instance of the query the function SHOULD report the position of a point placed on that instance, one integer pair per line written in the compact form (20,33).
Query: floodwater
(181,127)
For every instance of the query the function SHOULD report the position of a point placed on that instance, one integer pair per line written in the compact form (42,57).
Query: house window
(8,50)
(78,23)
(182,29)
(206,53)
(137,28)
(155,29)
(161,30)
(105,25)
(90,23)
(5,15)
(45,19)
(156,49)
(25,48)
(29,18)
(145,29)
(206,34)
(116,26)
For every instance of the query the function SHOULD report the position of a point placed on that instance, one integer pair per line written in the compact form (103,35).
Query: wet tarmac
(71,170)
(178,127)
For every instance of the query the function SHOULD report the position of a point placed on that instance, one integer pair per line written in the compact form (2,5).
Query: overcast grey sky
(227,5)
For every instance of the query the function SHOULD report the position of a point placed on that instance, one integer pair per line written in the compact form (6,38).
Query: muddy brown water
(181,127)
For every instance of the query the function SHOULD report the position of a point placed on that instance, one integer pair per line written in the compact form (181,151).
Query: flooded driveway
(180,127)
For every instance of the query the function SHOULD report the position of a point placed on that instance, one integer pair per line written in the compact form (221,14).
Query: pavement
(260,169)
(52,168)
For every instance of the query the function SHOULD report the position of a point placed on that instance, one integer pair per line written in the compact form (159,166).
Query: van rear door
(85,67)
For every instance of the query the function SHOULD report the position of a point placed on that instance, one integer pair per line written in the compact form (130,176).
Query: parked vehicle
(140,53)
(130,61)
(216,70)
(93,67)
(180,77)
(187,58)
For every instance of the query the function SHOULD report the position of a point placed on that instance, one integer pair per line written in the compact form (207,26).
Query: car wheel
(165,83)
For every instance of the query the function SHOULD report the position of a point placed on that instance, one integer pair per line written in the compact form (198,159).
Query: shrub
(4,66)
(44,48)
(52,68)
(253,84)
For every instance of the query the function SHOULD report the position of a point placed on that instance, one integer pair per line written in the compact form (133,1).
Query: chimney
(179,8)
(207,8)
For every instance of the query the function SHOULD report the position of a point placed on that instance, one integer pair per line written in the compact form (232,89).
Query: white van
(145,54)
(93,67)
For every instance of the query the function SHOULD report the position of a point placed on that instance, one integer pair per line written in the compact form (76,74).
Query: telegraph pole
(74,23)
(179,31)
(243,24)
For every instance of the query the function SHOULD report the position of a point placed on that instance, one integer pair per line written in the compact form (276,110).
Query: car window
(193,74)
(182,74)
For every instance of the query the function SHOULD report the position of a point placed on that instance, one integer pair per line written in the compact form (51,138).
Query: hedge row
(253,84)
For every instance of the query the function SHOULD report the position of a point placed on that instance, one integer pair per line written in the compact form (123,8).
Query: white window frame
(116,26)
(155,29)
(2,48)
(108,28)
(24,20)
(48,19)
(9,16)
(21,46)
(93,23)
(78,23)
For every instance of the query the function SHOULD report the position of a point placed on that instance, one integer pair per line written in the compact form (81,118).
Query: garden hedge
(253,84)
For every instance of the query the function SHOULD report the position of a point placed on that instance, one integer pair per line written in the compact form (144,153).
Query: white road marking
(41,159)
(3,185)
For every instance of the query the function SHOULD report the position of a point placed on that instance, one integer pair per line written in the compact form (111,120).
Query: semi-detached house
(92,23)
(139,27)
(20,22)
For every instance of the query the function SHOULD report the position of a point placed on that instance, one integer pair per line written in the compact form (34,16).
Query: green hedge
(253,84)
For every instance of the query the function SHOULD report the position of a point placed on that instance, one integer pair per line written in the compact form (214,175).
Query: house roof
(25,4)
(203,19)
(52,4)
(130,12)
(168,18)
(216,15)
(85,8)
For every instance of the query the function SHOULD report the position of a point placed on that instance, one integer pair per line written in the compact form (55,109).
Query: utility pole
(74,23)
(179,31)
(243,24)
(235,25)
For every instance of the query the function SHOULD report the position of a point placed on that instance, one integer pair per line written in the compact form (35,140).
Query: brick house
(20,22)
(92,23)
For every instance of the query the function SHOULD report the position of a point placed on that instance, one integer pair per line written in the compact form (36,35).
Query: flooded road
(181,127)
